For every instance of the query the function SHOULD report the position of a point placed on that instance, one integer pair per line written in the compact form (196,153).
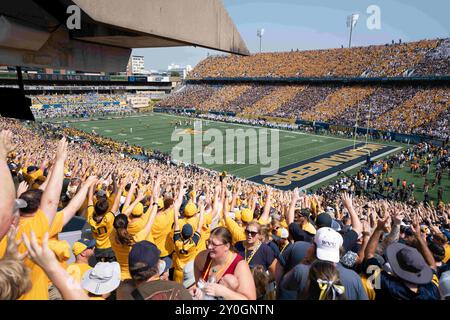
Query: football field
(303,159)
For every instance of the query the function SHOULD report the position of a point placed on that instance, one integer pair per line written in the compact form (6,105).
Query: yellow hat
(190,209)
(246,215)
(61,249)
(192,194)
(138,210)
(78,248)
(237,215)
(81,245)
(160,203)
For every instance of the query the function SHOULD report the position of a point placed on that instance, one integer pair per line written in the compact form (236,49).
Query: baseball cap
(138,210)
(246,215)
(324,220)
(283,233)
(303,212)
(81,245)
(143,252)
(328,243)
(103,278)
(190,209)
(187,231)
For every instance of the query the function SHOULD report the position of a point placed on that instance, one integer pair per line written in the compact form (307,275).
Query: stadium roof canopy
(40,33)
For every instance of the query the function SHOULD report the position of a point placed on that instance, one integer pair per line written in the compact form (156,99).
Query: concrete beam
(203,23)
(61,52)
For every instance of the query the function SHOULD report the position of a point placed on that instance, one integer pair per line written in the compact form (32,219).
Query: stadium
(218,184)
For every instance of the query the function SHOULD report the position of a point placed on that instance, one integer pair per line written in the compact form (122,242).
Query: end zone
(309,172)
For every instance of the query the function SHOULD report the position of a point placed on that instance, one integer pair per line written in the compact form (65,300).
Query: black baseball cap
(304,212)
(143,252)
(324,220)
(187,231)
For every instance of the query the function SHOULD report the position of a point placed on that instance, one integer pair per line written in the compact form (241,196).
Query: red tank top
(230,269)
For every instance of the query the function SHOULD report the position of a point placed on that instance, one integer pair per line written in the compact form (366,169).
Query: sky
(316,24)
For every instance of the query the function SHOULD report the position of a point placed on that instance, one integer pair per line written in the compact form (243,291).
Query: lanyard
(252,255)
(214,270)
(285,246)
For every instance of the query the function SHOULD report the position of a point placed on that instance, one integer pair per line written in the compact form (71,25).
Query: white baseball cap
(283,233)
(328,243)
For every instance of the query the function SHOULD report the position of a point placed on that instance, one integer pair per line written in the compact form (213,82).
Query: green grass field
(154,131)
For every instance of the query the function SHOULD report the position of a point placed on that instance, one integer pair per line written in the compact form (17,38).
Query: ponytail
(121,226)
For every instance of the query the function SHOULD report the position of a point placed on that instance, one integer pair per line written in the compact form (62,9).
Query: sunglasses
(251,233)
(212,244)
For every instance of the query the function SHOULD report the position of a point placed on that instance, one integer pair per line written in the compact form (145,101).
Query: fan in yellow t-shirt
(83,249)
(101,221)
(122,240)
(186,243)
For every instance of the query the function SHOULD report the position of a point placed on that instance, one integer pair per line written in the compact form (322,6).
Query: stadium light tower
(351,23)
(260,33)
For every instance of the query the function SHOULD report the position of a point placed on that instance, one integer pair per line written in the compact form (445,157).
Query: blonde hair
(262,279)
(14,279)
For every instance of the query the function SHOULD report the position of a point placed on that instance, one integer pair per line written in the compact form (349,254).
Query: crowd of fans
(78,105)
(221,98)
(167,231)
(416,58)
(396,108)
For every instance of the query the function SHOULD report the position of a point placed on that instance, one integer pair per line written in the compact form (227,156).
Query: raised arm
(201,218)
(291,211)
(91,194)
(130,196)
(50,197)
(139,198)
(347,201)
(178,202)
(118,193)
(375,238)
(148,227)
(77,201)
(422,244)
(216,205)
(267,204)
(394,235)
